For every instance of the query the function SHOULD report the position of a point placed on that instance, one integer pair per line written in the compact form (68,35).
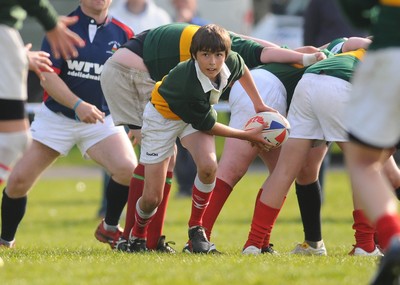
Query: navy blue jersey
(82,74)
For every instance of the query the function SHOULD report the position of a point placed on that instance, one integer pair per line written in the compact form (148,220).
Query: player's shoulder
(125,28)
(234,60)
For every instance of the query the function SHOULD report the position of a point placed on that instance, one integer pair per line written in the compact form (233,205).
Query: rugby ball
(277,129)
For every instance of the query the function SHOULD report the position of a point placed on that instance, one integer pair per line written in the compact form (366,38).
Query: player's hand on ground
(38,61)
(62,40)
(88,113)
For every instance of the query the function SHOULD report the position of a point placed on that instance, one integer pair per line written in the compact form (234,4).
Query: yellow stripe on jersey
(356,53)
(394,3)
(297,65)
(161,105)
(186,40)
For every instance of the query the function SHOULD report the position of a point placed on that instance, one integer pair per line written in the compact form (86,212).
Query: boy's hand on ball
(256,138)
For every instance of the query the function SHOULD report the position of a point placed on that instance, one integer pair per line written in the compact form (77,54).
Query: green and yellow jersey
(180,95)
(164,47)
(341,65)
(380,16)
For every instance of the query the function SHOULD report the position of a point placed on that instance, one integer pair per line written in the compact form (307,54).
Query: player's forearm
(355,43)
(249,86)
(58,90)
(225,131)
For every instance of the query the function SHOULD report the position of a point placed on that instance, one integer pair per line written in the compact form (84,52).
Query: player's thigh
(270,158)
(155,175)
(236,157)
(392,172)
(310,169)
(116,154)
(202,148)
(28,169)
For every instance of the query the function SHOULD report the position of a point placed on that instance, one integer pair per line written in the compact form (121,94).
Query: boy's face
(95,7)
(210,63)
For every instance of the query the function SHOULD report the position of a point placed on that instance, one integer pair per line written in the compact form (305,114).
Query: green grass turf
(55,242)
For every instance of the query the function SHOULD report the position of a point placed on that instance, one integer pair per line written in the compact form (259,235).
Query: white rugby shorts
(13,65)
(317,108)
(61,133)
(159,135)
(373,114)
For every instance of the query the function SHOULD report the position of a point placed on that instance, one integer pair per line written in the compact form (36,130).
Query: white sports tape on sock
(142,213)
(205,188)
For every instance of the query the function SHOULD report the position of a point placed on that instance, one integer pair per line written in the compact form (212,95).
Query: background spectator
(324,21)
(140,15)
(186,11)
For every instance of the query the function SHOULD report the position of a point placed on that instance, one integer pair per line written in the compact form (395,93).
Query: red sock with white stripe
(201,196)
(142,221)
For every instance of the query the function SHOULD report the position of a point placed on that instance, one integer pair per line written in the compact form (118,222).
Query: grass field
(55,242)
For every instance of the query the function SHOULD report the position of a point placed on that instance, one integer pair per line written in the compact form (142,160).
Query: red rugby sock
(135,192)
(220,194)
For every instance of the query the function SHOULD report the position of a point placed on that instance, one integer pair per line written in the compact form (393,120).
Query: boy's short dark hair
(212,38)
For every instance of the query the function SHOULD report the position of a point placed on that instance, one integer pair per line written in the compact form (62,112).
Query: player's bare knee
(123,173)
(150,202)
(17,186)
(207,171)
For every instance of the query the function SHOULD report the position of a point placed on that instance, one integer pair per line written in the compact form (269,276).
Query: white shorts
(159,135)
(61,133)
(13,66)
(374,109)
(127,91)
(317,108)
(271,90)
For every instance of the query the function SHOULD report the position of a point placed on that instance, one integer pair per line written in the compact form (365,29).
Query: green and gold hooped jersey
(336,45)
(379,16)
(164,47)
(382,28)
(180,95)
(341,65)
